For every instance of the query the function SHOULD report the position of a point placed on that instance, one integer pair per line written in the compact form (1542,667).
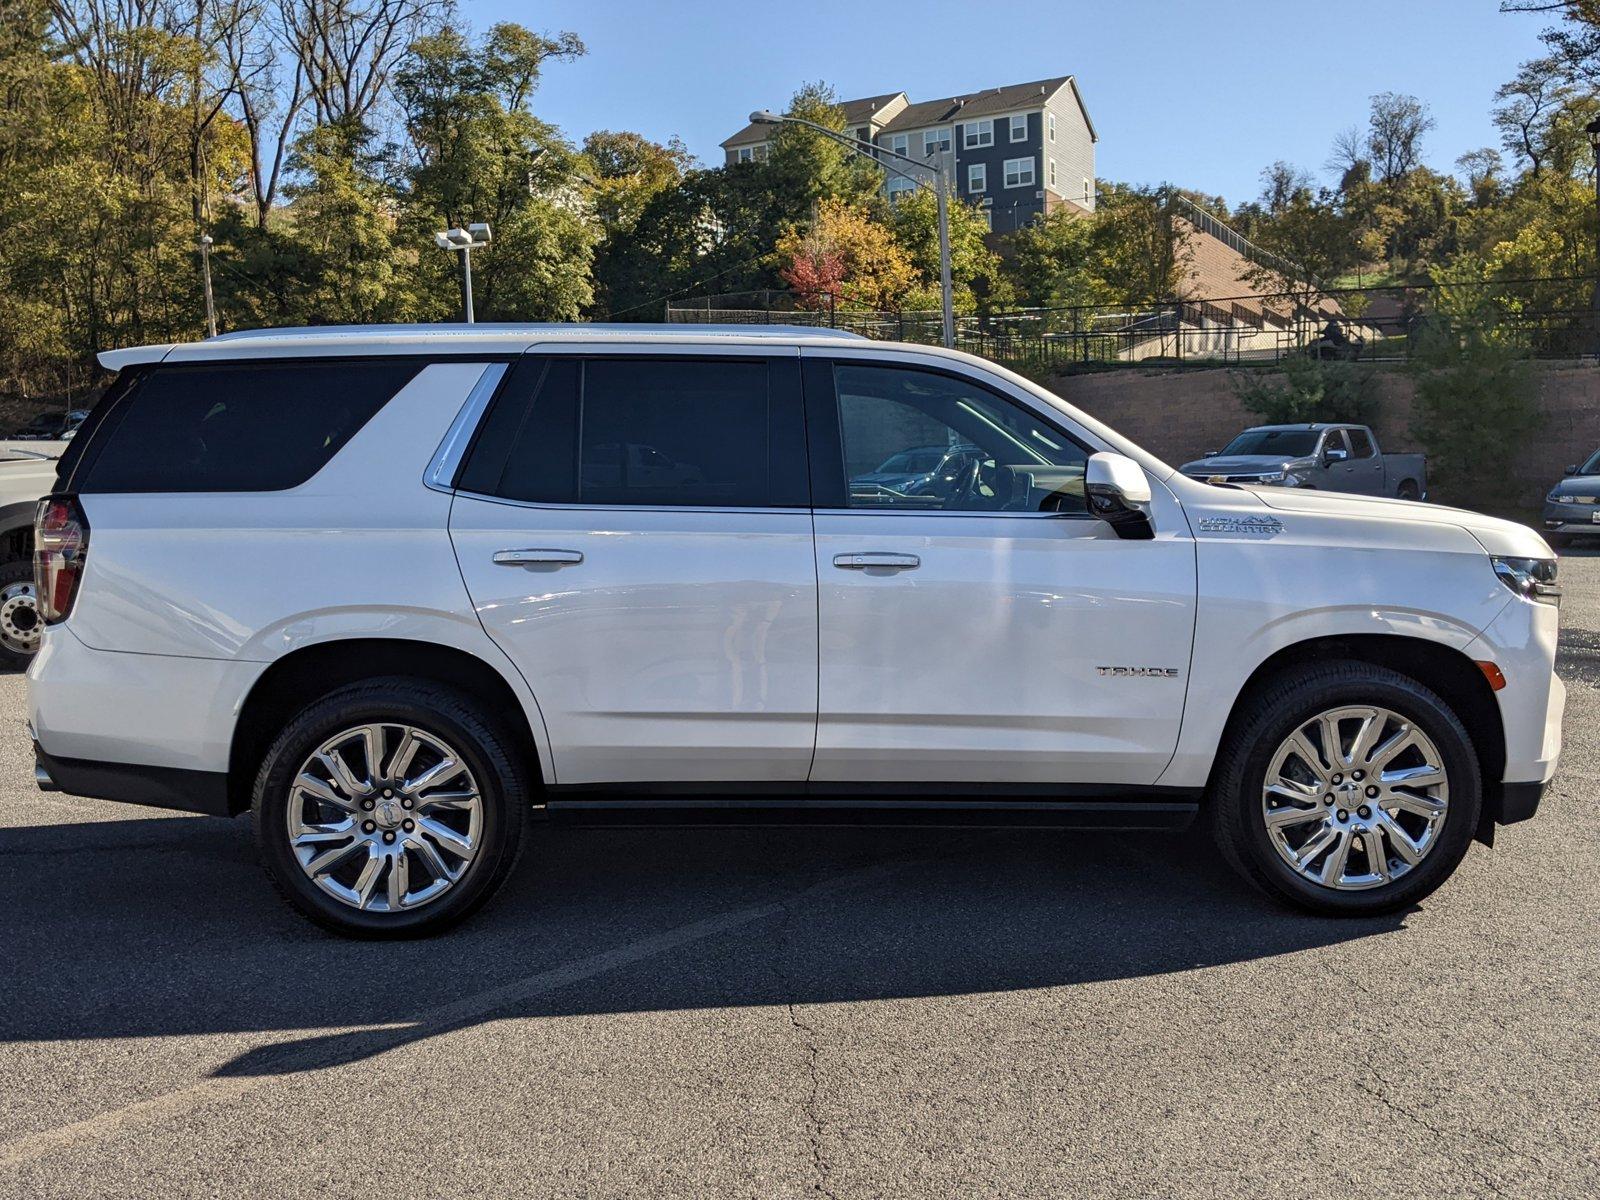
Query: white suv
(397,591)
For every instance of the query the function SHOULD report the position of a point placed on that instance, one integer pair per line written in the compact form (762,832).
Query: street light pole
(941,190)
(205,273)
(464,242)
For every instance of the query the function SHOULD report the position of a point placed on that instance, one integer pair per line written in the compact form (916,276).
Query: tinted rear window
(235,427)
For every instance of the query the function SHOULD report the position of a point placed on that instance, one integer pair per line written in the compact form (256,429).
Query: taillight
(60,542)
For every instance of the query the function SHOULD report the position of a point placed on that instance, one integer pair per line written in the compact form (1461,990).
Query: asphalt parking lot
(788,1013)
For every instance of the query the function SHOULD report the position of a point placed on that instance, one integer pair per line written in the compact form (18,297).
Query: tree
(804,167)
(1525,107)
(1395,129)
(1482,169)
(975,270)
(479,154)
(847,259)
(1282,185)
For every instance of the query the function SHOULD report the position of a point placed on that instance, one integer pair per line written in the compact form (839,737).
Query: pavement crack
(809,1105)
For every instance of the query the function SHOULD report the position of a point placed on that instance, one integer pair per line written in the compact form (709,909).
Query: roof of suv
(450,339)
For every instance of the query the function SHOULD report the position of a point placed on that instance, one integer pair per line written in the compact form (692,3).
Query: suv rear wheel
(1347,789)
(390,808)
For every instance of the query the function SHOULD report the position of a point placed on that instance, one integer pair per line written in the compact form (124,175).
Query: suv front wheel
(1346,788)
(390,808)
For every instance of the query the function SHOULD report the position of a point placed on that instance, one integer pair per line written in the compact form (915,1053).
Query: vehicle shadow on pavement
(166,926)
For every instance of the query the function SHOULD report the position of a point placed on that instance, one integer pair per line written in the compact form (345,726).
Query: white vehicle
(368,584)
(27,473)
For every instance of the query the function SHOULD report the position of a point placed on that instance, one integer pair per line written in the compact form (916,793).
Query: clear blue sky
(1203,95)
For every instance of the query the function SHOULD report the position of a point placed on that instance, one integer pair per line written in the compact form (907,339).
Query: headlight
(1530,578)
(1553,498)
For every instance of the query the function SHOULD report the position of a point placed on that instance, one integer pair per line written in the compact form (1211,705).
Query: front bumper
(1562,517)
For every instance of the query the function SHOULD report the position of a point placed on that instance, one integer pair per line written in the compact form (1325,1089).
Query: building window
(977,177)
(1019,129)
(935,140)
(1019,172)
(761,152)
(898,187)
(1052,170)
(977,133)
(899,143)
(746,154)
(1050,120)
(1088,192)
(988,218)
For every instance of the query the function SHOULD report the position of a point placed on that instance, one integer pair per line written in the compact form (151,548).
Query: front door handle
(878,559)
(537,558)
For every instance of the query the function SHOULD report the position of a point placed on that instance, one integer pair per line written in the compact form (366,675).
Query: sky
(1201,95)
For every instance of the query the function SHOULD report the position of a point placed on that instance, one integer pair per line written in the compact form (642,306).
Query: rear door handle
(534,558)
(879,559)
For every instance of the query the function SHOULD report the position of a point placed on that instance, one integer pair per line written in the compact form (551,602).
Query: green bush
(1311,389)
(1476,405)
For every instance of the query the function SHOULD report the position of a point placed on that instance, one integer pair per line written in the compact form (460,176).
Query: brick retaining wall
(1180,414)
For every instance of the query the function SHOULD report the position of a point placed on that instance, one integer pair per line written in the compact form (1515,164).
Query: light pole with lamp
(940,191)
(464,242)
(205,272)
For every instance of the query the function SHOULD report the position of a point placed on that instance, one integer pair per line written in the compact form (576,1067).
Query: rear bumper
(156,787)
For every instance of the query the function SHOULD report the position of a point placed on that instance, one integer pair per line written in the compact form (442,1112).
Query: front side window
(642,432)
(235,427)
(919,440)
(977,177)
(1019,172)
(1019,129)
(977,133)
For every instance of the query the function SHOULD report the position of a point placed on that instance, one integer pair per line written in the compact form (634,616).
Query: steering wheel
(980,487)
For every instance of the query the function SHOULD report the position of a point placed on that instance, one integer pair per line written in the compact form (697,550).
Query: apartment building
(1016,152)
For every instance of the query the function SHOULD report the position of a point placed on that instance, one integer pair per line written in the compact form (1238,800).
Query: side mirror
(1119,494)
(1572,469)
(1333,455)
(1211,453)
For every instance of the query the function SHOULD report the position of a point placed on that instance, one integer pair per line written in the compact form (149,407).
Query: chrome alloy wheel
(385,817)
(1355,798)
(20,626)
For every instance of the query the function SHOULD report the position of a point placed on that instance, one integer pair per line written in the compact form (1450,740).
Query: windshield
(1591,465)
(1292,443)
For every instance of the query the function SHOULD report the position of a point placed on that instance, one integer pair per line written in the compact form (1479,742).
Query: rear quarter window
(234,427)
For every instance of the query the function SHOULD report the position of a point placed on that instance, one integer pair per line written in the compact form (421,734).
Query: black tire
(464,724)
(20,626)
(1238,824)
(1408,490)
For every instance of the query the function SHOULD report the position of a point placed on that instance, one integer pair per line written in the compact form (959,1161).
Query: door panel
(635,537)
(682,647)
(967,636)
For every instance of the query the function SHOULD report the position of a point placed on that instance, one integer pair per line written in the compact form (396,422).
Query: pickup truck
(1333,458)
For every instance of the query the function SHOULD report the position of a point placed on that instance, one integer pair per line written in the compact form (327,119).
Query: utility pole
(205,274)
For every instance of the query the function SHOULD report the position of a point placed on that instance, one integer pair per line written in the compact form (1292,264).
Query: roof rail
(533,329)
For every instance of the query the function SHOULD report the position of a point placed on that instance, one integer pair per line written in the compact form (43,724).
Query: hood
(1495,535)
(1237,464)
(1577,485)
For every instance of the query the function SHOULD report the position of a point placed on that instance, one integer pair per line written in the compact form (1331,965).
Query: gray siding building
(1016,152)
